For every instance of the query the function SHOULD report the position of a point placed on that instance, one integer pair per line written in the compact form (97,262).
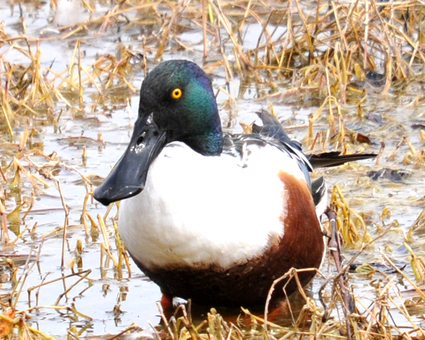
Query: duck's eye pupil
(177,93)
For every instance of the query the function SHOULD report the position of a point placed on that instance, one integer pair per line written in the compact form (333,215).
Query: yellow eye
(177,93)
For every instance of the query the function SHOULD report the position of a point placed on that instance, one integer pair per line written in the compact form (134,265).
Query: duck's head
(177,103)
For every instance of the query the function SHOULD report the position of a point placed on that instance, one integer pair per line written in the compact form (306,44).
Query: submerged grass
(334,53)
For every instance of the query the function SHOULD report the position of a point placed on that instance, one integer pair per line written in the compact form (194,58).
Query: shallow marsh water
(114,304)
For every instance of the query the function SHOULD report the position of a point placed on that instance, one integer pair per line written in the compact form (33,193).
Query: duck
(211,216)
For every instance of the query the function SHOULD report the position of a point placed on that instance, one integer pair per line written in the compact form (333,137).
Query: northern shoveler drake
(211,216)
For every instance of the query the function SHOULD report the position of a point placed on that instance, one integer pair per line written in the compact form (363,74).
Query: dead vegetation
(333,54)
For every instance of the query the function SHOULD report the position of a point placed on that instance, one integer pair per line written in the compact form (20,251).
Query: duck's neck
(208,145)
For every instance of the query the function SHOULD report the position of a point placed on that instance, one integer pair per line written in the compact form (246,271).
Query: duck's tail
(271,128)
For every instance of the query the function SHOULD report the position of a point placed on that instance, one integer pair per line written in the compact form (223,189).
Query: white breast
(198,211)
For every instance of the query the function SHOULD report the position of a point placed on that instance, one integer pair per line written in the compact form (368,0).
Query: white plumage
(183,217)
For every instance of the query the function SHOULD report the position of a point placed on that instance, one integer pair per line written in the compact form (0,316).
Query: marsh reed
(338,52)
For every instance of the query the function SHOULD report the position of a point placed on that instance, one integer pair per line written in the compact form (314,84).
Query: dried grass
(327,50)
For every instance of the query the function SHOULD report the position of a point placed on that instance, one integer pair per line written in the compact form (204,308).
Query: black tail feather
(334,158)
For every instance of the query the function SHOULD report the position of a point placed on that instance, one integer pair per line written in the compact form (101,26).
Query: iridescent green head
(177,103)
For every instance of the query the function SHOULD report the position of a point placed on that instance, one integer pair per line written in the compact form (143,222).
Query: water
(102,292)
